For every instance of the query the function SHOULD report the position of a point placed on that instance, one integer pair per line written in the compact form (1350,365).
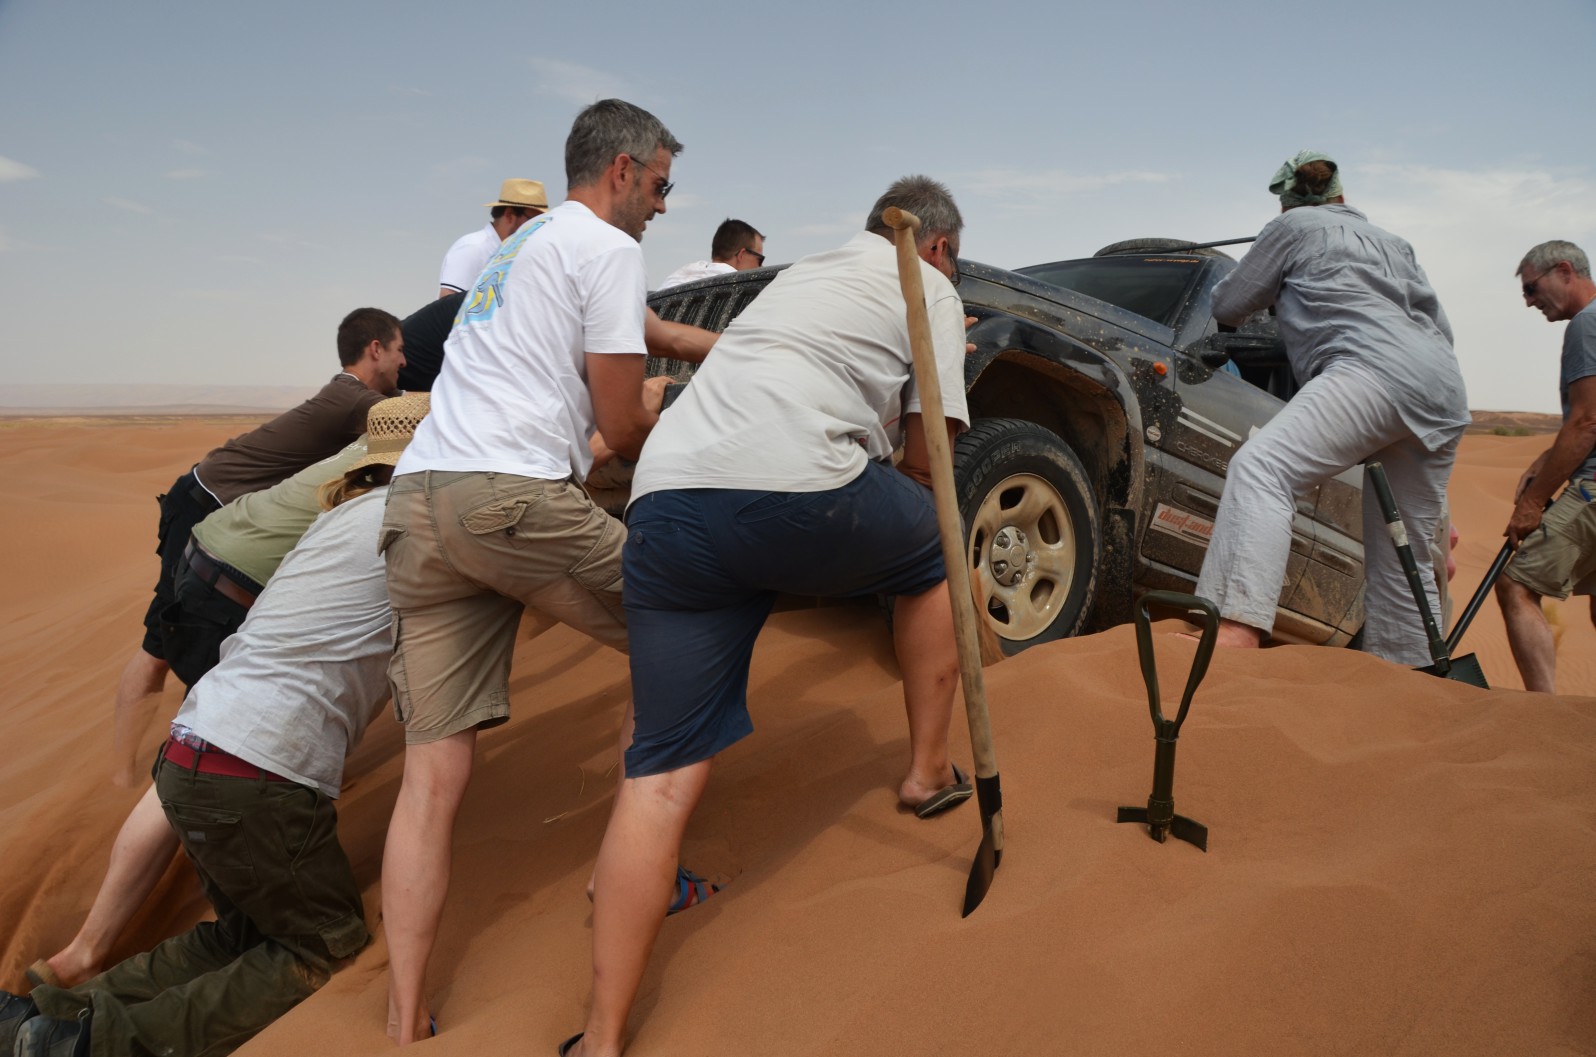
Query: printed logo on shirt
(488,294)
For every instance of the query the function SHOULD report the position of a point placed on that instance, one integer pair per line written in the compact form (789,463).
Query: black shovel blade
(981,872)
(1464,669)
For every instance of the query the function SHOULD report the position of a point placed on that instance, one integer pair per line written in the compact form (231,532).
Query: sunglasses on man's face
(665,186)
(759,258)
(1530,287)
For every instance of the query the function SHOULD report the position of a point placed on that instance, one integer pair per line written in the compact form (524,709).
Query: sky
(196,193)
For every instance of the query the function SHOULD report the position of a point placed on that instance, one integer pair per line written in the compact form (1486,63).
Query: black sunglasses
(1529,287)
(665,185)
(759,258)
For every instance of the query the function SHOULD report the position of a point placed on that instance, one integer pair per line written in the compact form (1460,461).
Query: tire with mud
(1158,246)
(1032,530)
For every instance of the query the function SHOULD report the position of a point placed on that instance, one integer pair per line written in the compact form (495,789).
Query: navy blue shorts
(702,568)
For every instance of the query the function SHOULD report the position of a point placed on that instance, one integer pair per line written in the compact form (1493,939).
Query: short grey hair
(1544,258)
(607,128)
(927,199)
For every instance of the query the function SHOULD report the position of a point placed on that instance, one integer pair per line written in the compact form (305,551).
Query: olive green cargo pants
(287,908)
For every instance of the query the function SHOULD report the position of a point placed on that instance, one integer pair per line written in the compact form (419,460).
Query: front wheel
(1032,532)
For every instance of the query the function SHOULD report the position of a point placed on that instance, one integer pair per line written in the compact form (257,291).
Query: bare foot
(1233,634)
(71,968)
(425,1027)
(916,787)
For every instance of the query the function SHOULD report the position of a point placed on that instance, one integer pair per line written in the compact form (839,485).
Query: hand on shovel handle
(905,229)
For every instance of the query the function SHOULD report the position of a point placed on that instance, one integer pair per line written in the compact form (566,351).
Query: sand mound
(1397,864)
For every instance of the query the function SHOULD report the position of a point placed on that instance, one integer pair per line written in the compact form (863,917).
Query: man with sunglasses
(485,516)
(1556,549)
(737,247)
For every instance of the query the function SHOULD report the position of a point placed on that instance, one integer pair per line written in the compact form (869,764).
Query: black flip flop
(948,796)
(565,1047)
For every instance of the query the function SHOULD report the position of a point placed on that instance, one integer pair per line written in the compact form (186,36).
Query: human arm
(446,291)
(677,341)
(948,323)
(916,461)
(1571,447)
(1256,281)
(619,407)
(653,400)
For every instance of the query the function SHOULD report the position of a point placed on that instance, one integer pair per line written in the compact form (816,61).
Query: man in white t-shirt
(772,474)
(519,201)
(737,247)
(485,516)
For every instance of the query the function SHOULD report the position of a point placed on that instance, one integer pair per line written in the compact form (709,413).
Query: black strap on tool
(1159,814)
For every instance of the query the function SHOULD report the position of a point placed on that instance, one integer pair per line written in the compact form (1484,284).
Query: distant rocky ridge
(149,399)
(1514,423)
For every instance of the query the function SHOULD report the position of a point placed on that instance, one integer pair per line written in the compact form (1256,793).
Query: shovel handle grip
(1199,666)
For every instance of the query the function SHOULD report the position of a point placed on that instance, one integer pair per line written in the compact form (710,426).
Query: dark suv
(1106,405)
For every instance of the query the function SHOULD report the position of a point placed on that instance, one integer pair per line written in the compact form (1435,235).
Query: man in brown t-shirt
(371,350)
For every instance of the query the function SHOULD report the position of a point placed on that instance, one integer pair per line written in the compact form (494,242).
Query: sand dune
(1397,864)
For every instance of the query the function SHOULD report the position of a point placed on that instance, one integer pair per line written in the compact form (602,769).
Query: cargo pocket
(398,685)
(500,516)
(191,647)
(600,569)
(345,937)
(164,528)
(215,840)
(391,534)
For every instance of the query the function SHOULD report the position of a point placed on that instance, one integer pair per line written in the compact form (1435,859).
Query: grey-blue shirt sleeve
(1579,349)
(1256,281)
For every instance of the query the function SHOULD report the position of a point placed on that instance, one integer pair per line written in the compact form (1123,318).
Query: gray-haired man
(548,345)
(1557,551)
(772,473)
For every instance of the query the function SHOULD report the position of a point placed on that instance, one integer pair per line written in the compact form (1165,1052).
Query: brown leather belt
(214,761)
(217,575)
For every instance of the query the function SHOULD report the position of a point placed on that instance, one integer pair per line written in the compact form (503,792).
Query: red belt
(217,575)
(214,761)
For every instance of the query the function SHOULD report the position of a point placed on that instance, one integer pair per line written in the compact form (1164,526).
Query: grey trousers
(1339,419)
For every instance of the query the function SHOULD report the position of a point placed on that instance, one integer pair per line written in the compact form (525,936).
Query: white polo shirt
(463,261)
(810,381)
(697,270)
(512,396)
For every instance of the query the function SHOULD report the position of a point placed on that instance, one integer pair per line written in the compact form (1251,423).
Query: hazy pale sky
(198,192)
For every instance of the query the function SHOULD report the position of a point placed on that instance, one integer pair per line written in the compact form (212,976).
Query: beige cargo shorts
(467,552)
(1561,560)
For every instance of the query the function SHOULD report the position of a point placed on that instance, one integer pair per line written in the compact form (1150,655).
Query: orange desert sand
(1397,864)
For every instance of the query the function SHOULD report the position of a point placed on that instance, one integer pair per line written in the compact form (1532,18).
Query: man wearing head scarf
(1365,334)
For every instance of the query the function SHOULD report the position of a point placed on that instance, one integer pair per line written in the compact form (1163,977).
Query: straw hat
(522,194)
(389,426)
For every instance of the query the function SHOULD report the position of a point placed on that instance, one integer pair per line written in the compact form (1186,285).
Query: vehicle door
(1230,385)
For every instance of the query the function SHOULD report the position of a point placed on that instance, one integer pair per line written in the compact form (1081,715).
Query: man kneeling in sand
(247,780)
(772,474)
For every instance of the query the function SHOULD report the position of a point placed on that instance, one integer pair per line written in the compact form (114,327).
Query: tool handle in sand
(906,227)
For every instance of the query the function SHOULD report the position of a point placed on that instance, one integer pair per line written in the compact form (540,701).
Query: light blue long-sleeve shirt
(1344,289)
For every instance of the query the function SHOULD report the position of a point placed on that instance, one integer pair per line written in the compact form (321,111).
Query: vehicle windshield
(1149,285)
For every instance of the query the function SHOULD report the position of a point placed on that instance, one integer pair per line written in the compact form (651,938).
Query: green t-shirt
(256,531)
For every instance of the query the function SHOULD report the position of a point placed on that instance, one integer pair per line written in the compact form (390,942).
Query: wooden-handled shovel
(989,793)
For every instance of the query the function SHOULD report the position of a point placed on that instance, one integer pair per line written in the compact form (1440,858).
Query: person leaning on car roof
(519,201)
(1560,558)
(737,247)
